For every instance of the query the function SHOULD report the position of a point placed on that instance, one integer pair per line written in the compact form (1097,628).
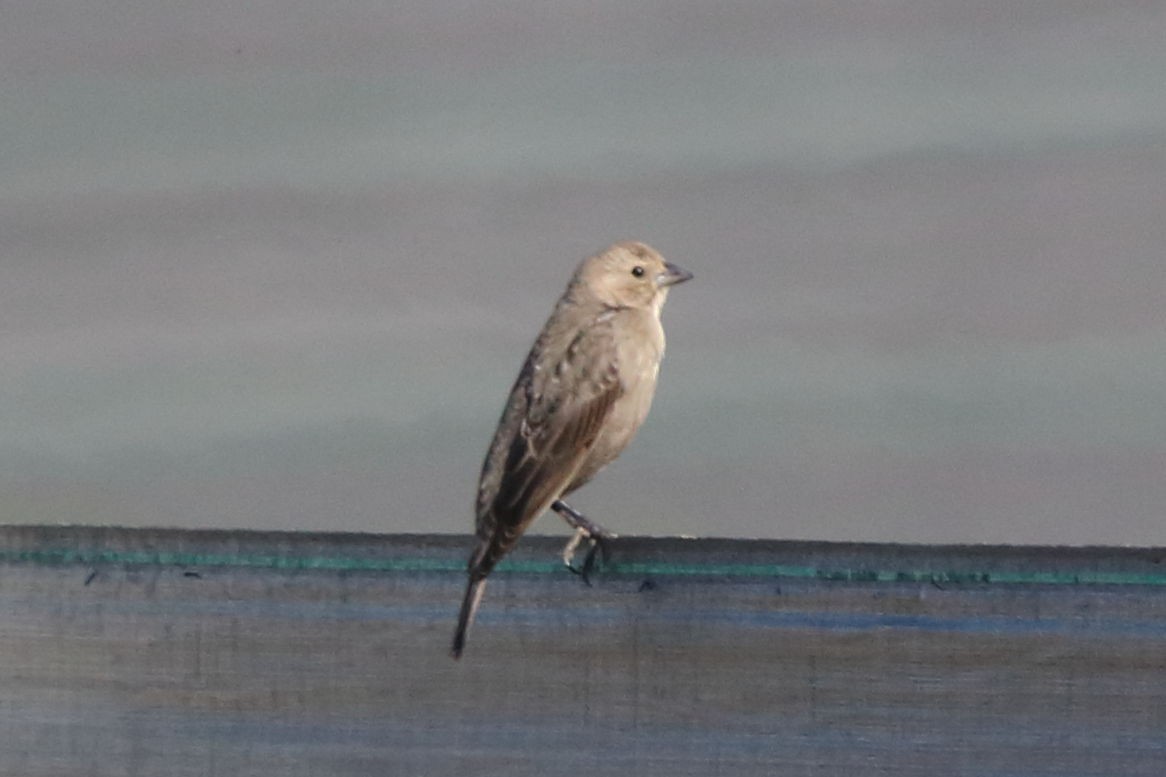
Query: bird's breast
(639,346)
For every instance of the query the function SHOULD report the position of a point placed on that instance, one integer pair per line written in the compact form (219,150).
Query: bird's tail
(474,590)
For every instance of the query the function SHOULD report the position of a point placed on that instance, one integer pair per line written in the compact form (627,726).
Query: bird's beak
(672,275)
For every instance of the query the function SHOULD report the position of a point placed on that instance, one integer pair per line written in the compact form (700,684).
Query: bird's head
(630,275)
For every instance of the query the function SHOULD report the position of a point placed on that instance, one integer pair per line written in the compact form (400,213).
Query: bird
(581,395)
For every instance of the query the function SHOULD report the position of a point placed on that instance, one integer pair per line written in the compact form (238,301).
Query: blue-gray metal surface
(149,652)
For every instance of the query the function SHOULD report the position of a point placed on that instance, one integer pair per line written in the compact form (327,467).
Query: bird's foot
(600,549)
(598,537)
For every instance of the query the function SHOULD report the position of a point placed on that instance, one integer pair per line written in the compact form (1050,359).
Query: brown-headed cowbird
(580,397)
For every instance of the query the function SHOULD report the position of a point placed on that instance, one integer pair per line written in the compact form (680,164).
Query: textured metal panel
(206,653)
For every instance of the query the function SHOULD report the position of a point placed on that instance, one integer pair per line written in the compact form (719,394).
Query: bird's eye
(638,271)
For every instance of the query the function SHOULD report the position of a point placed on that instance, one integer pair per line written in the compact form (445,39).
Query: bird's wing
(544,457)
(554,416)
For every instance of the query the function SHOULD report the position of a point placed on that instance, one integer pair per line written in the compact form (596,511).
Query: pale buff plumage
(581,395)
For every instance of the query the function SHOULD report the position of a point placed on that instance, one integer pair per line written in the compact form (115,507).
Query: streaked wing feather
(556,411)
(542,461)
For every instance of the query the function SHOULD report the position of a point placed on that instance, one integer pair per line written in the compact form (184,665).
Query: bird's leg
(584,528)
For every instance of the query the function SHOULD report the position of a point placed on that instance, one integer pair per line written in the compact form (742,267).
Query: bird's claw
(600,548)
(584,529)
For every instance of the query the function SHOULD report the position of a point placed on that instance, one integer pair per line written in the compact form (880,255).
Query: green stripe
(783,571)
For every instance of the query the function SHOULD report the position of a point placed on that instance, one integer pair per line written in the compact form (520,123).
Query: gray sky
(275,266)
